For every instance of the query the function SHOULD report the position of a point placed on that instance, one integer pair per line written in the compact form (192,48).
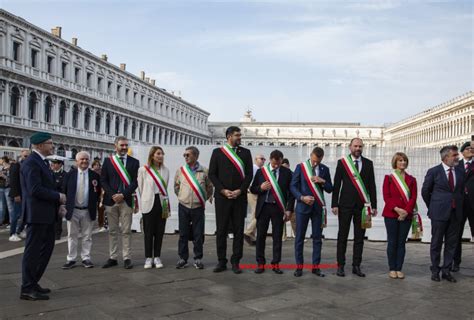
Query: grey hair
(82,153)
(445,151)
(194,150)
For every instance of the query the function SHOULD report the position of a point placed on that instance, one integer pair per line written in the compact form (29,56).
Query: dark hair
(230,130)
(445,151)
(276,154)
(285,160)
(465,145)
(318,152)
(194,150)
(96,162)
(152,153)
(120,138)
(6,159)
(356,138)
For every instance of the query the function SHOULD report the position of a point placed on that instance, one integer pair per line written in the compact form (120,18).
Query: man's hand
(62,211)
(235,194)
(266,186)
(335,210)
(318,180)
(17,199)
(118,197)
(309,200)
(226,193)
(62,198)
(287,215)
(211,199)
(374,212)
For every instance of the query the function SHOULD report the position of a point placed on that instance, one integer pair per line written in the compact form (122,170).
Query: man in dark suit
(274,203)
(310,207)
(40,202)
(348,205)
(467,166)
(442,193)
(231,173)
(57,167)
(82,189)
(119,181)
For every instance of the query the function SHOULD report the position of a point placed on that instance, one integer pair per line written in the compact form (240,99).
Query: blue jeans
(397,233)
(302,220)
(5,202)
(14,217)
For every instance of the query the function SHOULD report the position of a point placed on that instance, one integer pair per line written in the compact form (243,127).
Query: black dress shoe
(33,296)
(435,277)
(449,277)
(87,264)
(110,263)
(318,272)
(220,268)
(298,272)
(127,264)
(340,271)
(42,290)
(455,268)
(356,270)
(276,269)
(236,268)
(259,270)
(68,265)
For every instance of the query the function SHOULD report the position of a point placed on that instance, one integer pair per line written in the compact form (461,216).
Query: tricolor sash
(194,183)
(234,158)
(354,175)
(276,190)
(316,190)
(125,177)
(162,187)
(416,224)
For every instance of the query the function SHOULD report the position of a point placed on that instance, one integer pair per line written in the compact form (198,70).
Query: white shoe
(102,229)
(23,234)
(148,263)
(472,239)
(158,264)
(14,238)
(231,236)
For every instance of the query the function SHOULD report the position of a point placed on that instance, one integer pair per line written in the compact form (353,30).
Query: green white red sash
(276,190)
(125,177)
(416,224)
(316,190)
(234,158)
(358,183)
(194,183)
(162,187)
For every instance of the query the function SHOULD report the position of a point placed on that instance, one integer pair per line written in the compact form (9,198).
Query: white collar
(446,167)
(82,171)
(37,152)
(354,158)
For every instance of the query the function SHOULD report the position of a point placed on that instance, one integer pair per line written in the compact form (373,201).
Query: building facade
(49,84)
(451,122)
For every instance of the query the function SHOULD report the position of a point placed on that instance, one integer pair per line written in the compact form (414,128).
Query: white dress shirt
(358,159)
(86,187)
(446,171)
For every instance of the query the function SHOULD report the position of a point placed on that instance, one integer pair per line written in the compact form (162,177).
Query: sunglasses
(262,159)
(186,155)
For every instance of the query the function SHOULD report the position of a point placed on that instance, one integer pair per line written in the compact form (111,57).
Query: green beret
(465,145)
(40,137)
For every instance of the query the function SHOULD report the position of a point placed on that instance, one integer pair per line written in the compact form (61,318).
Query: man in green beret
(40,202)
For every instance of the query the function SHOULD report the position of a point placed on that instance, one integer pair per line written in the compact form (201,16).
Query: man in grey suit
(442,192)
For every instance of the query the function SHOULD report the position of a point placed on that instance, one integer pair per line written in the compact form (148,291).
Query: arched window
(125,128)
(140,132)
(15,101)
(117,125)
(48,109)
(32,103)
(62,113)
(98,120)
(60,151)
(87,119)
(75,116)
(107,123)
(134,127)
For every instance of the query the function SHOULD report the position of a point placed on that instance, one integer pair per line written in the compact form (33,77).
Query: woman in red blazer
(399,193)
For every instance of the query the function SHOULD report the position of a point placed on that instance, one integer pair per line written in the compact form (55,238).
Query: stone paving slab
(170,293)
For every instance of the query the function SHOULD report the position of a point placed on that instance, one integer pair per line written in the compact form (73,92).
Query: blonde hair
(396,157)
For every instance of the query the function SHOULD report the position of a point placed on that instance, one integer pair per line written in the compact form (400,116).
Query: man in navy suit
(308,207)
(272,206)
(442,193)
(82,189)
(40,202)
(119,200)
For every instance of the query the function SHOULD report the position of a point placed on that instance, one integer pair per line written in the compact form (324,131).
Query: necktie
(356,162)
(269,197)
(122,159)
(451,185)
(81,189)
(466,166)
(314,171)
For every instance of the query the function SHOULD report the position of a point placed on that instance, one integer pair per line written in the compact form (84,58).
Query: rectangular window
(109,87)
(34,58)
(89,79)
(16,51)
(119,88)
(77,72)
(127,95)
(50,64)
(64,70)
(99,84)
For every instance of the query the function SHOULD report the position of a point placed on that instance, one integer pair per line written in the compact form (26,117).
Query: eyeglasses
(186,155)
(262,159)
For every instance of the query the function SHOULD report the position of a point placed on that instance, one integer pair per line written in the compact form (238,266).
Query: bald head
(260,160)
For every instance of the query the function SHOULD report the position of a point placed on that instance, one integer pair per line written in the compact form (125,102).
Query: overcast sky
(372,62)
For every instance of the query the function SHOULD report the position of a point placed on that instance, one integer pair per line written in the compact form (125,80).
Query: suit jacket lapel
(444,175)
(43,166)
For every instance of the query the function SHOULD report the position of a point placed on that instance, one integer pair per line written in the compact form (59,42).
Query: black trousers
(447,231)
(39,246)
(345,216)
(58,227)
(230,211)
(468,214)
(154,229)
(270,212)
(190,220)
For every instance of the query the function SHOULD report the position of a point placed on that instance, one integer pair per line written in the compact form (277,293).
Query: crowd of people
(113,191)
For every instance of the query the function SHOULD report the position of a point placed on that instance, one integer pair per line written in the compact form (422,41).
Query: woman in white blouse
(152,185)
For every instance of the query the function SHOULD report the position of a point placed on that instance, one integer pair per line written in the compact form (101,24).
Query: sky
(373,62)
